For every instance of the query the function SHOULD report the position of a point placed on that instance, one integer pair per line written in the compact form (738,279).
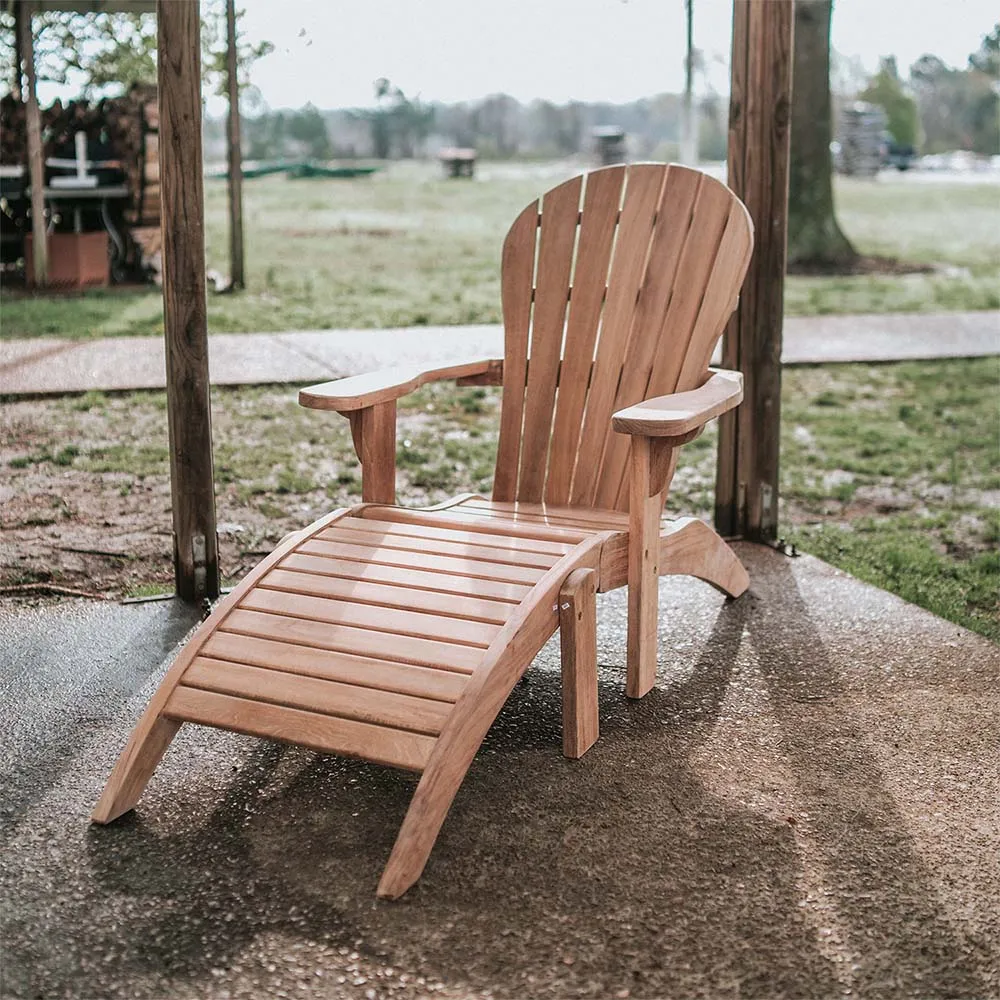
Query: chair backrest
(616,288)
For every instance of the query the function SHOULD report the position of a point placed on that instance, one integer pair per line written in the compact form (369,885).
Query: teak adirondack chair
(396,635)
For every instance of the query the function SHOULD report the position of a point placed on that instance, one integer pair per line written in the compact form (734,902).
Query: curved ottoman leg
(509,655)
(154,731)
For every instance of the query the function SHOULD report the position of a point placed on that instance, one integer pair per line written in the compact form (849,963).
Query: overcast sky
(330,51)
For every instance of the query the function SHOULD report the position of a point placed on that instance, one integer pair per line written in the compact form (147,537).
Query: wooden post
(235,155)
(746,497)
(185,323)
(36,165)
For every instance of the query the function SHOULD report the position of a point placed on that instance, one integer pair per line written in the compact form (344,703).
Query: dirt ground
(85,495)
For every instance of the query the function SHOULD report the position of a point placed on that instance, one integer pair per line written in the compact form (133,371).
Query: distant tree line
(941,108)
(938,108)
(498,127)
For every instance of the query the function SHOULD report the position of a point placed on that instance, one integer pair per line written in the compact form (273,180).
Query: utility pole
(235,155)
(689,139)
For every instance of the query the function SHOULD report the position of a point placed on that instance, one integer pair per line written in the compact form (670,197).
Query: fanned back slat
(517,269)
(642,198)
(720,299)
(672,232)
(670,333)
(560,212)
(590,276)
(652,287)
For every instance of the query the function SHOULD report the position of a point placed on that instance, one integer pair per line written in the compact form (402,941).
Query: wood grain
(560,212)
(361,391)
(598,222)
(517,271)
(422,561)
(185,323)
(643,573)
(363,671)
(759,133)
(628,269)
(578,643)
(691,548)
(392,621)
(234,154)
(360,641)
(36,159)
(380,744)
(678,414)
(579,520)
(314,694)
(504,664)
(382,595)
(491,521)
(428,535)
(665,282)
(152,734)
(397,576)
(662,358)
(463,550)
(377,430)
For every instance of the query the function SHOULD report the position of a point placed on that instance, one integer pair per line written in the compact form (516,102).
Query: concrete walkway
(40,366)
(806,806)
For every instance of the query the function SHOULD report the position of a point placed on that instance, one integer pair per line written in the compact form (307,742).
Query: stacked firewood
(13,132)
(125,127)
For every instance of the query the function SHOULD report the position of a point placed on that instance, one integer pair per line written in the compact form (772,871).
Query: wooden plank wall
(185,323)
(746,499)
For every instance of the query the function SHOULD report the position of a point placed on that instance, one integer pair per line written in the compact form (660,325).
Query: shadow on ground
(733,834)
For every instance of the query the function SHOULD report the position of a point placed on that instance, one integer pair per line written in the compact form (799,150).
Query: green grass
(890,472)
(950,226)
(904,555)
(408,248)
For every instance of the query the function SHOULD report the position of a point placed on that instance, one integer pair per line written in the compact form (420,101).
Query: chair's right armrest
(358,392)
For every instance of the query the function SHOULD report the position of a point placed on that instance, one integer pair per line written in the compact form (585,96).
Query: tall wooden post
(185,323)
(235,154)
(746,497)
(36,165)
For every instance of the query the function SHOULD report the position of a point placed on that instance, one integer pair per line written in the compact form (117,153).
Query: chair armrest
(358,392)
(680,413)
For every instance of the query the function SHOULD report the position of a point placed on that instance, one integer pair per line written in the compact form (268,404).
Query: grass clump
(408,248)
(904,555)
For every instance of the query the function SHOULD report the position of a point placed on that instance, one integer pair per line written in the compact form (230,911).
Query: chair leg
(692,548)
(135,767)
(578,640)
(643,572)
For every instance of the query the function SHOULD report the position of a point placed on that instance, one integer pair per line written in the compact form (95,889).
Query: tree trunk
(814,237)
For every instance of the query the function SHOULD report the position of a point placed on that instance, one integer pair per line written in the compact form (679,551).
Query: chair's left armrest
(681,413)
(369,403)
(358,392)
